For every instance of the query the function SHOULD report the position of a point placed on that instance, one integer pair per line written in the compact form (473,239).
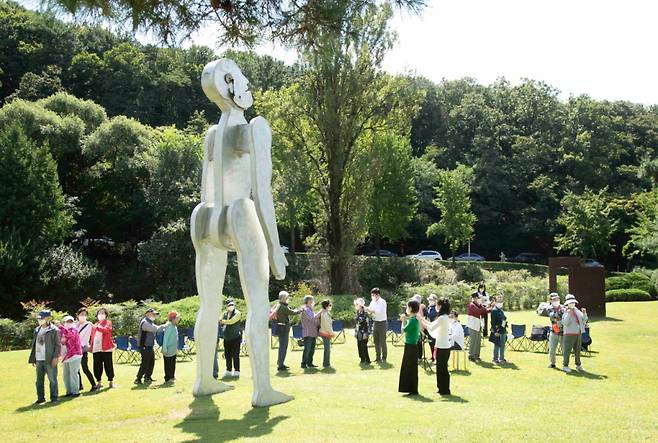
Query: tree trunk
(378,245)
(454,262)
(292,240)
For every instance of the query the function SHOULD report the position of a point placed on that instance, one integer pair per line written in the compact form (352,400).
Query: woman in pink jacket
(71,356)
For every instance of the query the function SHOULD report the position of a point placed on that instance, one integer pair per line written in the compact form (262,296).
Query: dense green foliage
(627,295)
(632,280)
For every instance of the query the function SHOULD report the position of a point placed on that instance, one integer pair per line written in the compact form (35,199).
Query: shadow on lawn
(589,375)
(453,399)
(605,319)
(205,424)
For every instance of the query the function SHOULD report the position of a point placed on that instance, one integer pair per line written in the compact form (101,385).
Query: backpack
(274,313)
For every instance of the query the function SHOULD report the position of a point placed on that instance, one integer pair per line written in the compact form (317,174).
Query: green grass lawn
(616,400)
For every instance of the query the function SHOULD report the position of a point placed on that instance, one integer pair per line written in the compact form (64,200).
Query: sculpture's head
(225,85)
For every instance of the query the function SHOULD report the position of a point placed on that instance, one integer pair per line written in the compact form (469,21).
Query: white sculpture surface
(237,167)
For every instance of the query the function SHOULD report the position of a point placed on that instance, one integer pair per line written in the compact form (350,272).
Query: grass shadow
(605,319)
(588,375)
(453,399)
(35,407)
(464,372)
(328,370)
(367,367)
(203,423)
(509,365)
(484,364)
(283,374)
(418,397)
(384,365)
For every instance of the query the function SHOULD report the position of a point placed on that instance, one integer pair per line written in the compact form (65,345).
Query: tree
(392,202)
(454,202)
(35,86)
(587,224)
(243,21)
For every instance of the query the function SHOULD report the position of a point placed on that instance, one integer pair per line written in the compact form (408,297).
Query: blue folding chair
(339,330)
(123,354)
(274,337)
(467,336)
(517,340)
(394,332)
(183,350)
(189,339)
(134,350)
(586,341)
(159,339)
(297,340)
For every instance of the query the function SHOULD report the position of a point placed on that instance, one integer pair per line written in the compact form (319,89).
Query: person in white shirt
(84,330)
(456,332)
(377,308)
(440,329)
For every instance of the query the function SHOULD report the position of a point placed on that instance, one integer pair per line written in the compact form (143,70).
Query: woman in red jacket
(102,347)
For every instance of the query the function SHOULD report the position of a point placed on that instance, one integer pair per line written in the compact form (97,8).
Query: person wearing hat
(554,312)
(282,319)
(170,346)
(232,339)
(474,320)
(146,340)
(377,308)
(45,355)
(362,327)
(431,313)
(573,324)
(71,352)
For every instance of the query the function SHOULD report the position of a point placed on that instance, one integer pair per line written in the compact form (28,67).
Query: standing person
(102,347)
(421,313)
(232,339)
(440,330)
(377,308)
(170,347)
(431,314)
(362,330)
(309,331)
(483,297)
(474,322)
(409,369)
(71,352)
(456,332)
(45,355)
(84,328)
(326,332)
(283,313)
(498,331)
(573,322)
(146,340)
(555,312)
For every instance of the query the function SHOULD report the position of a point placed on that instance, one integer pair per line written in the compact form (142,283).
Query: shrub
(627,295)
(470,272)
(632,280)
(387,273)
(437,273)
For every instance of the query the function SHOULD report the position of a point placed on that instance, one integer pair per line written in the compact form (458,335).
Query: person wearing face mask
(362,330)
(484,300)
(498,335)
(309,331)
(408,382)
(326,332)
(45,355)
(283,313)
(232,339)
(573,323)
(146,340)
(377,308)
(102,346)
(71,354)
(474,322)
(430,314)
(170,347)
(456,332)
(440,330)
(555,312)
(84,328)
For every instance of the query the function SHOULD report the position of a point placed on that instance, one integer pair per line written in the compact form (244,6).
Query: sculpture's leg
(253,265)
(210,271)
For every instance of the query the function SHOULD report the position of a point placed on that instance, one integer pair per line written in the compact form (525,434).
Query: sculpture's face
(225,85)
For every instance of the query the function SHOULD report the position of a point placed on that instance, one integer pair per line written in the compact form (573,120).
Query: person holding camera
(573,322)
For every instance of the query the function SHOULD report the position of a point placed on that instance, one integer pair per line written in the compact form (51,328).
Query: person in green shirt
(170,347)
(409,368)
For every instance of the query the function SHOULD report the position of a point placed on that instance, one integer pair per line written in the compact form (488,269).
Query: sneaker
(236,374)
(495,362)
(281,369)
(111,385)
(312,365)
(93,389)
(228,373)
(580,368)
(148,380)
(40,402)
(503,361)
(551,366)
(566,369)
(304,366)
(285,367)
(138,381)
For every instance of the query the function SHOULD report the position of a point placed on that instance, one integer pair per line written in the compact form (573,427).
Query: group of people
(70,342)
(568,323)
(314,325)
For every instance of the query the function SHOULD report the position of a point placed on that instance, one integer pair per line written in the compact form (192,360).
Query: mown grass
(616,400)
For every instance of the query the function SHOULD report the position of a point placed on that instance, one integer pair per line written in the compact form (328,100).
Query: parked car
(427,255)
(468,257)
(590,263)
(528,257)
(382,253)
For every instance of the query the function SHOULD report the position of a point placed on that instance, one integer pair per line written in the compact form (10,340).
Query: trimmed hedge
(632,280)
(627,295)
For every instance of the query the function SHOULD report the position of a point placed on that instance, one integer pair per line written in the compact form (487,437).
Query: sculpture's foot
(269,397)
(209,387)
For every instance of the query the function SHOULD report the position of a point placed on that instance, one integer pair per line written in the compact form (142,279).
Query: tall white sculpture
(237,167)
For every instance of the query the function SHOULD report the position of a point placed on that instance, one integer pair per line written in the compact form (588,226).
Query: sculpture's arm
(261,172)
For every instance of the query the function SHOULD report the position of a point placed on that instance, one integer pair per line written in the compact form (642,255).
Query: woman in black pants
(439,329)
(232,339)
(84,331)
(362,330)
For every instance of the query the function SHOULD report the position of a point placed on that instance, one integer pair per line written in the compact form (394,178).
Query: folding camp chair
(189,339)
(517,341)
(538,340)
(467,336)
(159,339)
(183,350)
(244,350)
(395,332)
(274,338)
(135,354)
(586,343)
(296,341)
(123,354)
(339,329)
